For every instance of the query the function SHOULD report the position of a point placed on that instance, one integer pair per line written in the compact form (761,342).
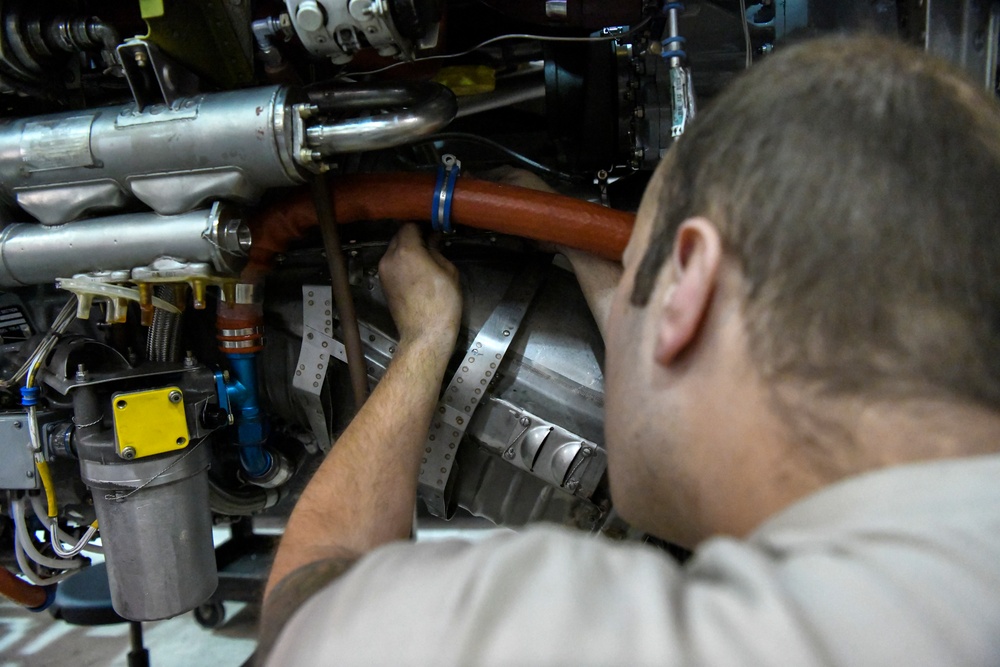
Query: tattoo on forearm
(291,593)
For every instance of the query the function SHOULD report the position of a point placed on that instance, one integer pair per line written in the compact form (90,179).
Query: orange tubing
(21,592)
(506,209)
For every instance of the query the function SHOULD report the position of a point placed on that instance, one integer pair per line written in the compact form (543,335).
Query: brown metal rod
(356,364)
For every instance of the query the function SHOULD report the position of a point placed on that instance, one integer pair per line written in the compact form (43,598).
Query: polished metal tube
(420,109)
(32,254)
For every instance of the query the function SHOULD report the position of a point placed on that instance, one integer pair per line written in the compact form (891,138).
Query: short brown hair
(856,182)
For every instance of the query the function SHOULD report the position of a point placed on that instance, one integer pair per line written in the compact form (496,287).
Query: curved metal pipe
(421,108)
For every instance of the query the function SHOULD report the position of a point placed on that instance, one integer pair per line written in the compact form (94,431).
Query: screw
(81,373)
(17,425)
(175,396)
(141,59)
(189,359)
(639,112)
(525,421)
(121,405)
(509,454)
(506,332)
(572,485)
(30,474)
(128,453)
(587,451)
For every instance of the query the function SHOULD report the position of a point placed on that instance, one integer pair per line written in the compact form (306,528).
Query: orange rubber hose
(21,592)
(506,209)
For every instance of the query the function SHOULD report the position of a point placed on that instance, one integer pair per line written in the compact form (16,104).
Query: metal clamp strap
(444,189)
(469,385)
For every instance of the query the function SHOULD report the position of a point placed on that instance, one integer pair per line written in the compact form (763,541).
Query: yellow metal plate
(149,422)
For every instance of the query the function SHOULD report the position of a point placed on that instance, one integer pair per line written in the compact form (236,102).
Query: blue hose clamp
(29,396)
(444,191)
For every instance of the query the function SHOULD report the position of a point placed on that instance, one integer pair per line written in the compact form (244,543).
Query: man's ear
(683,304)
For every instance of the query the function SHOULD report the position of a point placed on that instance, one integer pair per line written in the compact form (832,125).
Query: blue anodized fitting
(239,394)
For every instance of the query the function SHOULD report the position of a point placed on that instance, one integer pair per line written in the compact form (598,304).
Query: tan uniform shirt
(895,567)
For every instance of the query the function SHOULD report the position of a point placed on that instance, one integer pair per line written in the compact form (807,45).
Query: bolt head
(175,396)
(17,425)
(525,421)
(128,453)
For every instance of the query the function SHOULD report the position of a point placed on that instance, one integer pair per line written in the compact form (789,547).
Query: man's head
(852,188)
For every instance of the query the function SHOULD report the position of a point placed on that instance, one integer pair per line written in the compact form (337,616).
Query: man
(803,384)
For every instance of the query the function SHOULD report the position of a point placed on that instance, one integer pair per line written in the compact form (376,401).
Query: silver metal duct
(32,254)
(421,108)
(231,145)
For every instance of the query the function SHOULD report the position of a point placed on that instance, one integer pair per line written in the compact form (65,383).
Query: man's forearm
(363,494)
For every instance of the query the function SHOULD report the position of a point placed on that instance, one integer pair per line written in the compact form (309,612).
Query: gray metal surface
(33,254)
(231,145)
(967,33)
(18,469)
(552,453)
(156,527)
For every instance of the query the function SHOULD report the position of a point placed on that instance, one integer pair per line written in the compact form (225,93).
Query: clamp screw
(525,421)
(128,453)
(175,396)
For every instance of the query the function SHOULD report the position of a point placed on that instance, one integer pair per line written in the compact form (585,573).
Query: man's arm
(362,496)
(598,280)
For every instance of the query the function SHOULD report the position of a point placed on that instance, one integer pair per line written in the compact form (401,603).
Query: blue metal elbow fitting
(249,420)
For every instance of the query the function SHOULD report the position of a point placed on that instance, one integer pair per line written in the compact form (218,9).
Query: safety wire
(500,38)
(24,546)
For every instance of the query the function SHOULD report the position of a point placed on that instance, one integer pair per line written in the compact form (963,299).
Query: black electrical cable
(523,159)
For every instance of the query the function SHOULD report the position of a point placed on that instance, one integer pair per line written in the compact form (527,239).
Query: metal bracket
(314,358)
(319,346)
(544,449)
(469,385)
(153,76)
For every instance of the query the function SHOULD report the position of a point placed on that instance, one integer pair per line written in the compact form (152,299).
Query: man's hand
(598,277)
(363,494)
(423,293)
